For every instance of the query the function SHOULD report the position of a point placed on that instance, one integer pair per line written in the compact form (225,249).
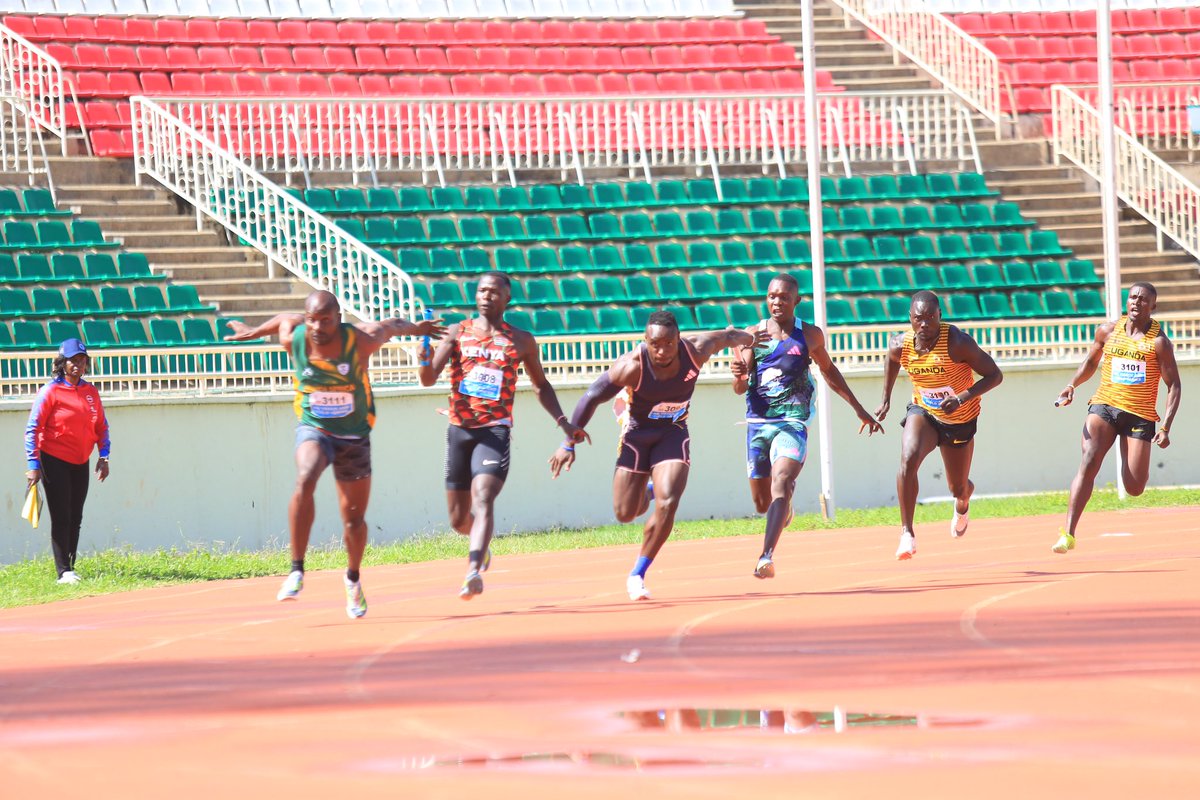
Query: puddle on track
(789,720)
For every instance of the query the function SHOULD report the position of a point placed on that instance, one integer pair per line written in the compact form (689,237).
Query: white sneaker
(636,586)
(356,601)
(907,548)
(292,585)
(958,526)
(69,577)
(765,568)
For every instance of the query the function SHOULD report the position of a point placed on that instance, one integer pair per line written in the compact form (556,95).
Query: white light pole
(1108,180)
(812,151)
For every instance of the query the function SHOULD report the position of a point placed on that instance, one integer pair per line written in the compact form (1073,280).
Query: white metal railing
(1149,185)
(935,44)
(264,370)
(22,150)
(27,72)
(308,244)
(1155,113)
(503,135)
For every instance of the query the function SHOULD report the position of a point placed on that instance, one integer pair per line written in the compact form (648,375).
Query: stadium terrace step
(197,274)
(258,306)
(221,289)
(125,224)
(144,238)
(166,256)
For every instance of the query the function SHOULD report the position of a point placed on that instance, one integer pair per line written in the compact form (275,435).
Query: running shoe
(765,568)
(1065,543)
(472,585)
(958,526)
(907,548)
(68,577)
(487,560)
(356,601)
(292,585)
(636,586)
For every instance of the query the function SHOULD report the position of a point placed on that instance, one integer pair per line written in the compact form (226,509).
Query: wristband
(569,447)
(1164,430)
(1071,386)
(560,419)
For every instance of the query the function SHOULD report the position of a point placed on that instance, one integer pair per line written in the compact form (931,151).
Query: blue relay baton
(426,314)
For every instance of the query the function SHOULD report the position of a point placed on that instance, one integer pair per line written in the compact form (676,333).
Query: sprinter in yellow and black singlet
(336,412)
(942,362)
(1133,355)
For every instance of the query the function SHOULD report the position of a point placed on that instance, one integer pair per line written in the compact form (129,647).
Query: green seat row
(30,203)
(53,235)
(635,194)
(69,267)
(82,301)
(124,332)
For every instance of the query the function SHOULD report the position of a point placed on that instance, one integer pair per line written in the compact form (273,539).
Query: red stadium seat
(306,57)
(1082,46)
(403,59)
(470,32)
(249,84)
(1192,43)
(754,56)
(1175,69)
(998,24)
(1172,45)
(1056,48)
(461,59)
(1057,23)
(697,30)
(263,32)
(521,32)
(112,29)
(526,85)
(466,84)
(607,58)
(789,80)
(697,56)
(1083,22)
(383,32)
(353,32)
(495,84)
(153,56)
(1140,19)
(77,29)
(311,84)
(584,83)
(782,55)
(374,85)
(370,59)
(292,31)
(434,85)
(277,57)
(583,31)
(1027,73)
(668,31)
(637,59)
(492,59)
(187,83)
(1193,18)
(555,31)
(1056,72)
(753,30)
(610,32)
(22,26)
(1084,72)
(672,82)
(64,54)
(49,29)
(215,58)
(556,83)
(758,80)
(340,59)
(101,114)
(1121,71)
(1146,71)
(232,31)
(155,84)
(726,55)
(440,33)
(282,84)
(323,31)
(521,59)
(730,81)
(614,83)
(183,57)
(123,84)
(246,57)
(643,83)
(91,56)
(432,58)
(578,59)
(112,144)
(200,30)
(1003,48)
(1141,46)
(218,84)
(1030,100)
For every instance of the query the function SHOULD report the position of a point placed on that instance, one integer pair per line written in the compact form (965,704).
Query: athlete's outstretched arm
(433,363)
(891,370)
(527,349)
(1091,362)
(814,337)
(625,372)
(962,347)
(283,324)
(711,342)
(376,334)
(1169,371)
(740,367)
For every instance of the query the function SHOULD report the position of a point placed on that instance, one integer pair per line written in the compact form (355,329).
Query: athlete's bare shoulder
(627,369)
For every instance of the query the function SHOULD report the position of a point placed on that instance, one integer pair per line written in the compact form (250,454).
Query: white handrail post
(812,147)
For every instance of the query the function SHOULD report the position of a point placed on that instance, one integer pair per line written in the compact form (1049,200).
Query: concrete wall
(222,471)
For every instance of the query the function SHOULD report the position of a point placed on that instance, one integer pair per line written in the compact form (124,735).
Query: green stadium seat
(548,322)
(410,229)
(1058,304)
(131,333)
(480,198)
(1087,301)
(1028,304)
(912,187)
(852,188)
(34,267)
(711,316)
(702,254)
(896,279)
(15,303)
(165,332)
(699,223)
(509,260)
(732,222)
(353,227)
(383,199)
(863,279)
(1049,273)
(797,251)
(184,297)
(413,198)
(870,311)
(98,333)
(115,300)
(413,260)
(833,251)
(581,322)
(421,292)
(575,195)
(955,276)
(615,320)
(925,277)
(673,287)
(321,200)
(793,189)
(149,298)
(522,320)
(670,256)
(639,193)
(29,334)
(1009,215)
(736,284)
(977,215)
(794,220)
(8,268)
(804,277)
(544,260)
(995,305)
(886,218)
(668,223)
(972,184)
(897,308)
(1014,245)
(197,330)
(685,316)
(40,202)
(702,191)
(542,291)
(575,291)
(636,224)
(479,229)
(883,187)
(764,221)
(438,229)
(577,258)
(445,261)
(951,246)
(1045,243)
(607,257)
(448,198)
(475,259)
(84,233)
(20,235)
(987,276)
(763,190)
(82,301)
(735,254)
(948,216)
(920,248)
(447,294)
(608,195)
(49,302)
(963,307)
(1018,273)
(641,316)
(733,190)
(6,339)
(607,226)
(132,265)
(941,186)
(542,196)
(379,230)
(744,315)
(349,201)
(704,286)
(517,198)
(641,289)
(855,250)
(1082,271)
(570,226)
(609,290)
(765,251)
(916,217)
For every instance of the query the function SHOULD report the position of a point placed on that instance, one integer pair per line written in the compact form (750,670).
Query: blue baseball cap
(71,348)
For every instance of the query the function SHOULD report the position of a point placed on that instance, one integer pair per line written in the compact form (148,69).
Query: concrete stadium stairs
(1061,198)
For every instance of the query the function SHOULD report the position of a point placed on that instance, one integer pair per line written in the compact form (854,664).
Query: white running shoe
(958,526)
(636,586)
(356,601)
(765,568)
(292,585)
(472,585)
(69,577)
(907,548)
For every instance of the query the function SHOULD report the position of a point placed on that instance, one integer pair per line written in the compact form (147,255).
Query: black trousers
(66,487)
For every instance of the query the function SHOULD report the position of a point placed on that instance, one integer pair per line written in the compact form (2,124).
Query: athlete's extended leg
(1135,461)
(670,479)
(352,500)
(1098,438)
(920,437)
(958,480)
(310,463)
(484,490)
(784,472)
(630,499)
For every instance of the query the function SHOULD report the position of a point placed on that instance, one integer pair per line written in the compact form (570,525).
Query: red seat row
(1046,73)
(118,85)
(1067,48)
(369,58)
(206,30)
(1065,23)
(1143,123)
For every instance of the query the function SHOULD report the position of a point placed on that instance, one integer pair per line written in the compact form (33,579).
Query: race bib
(331,405)
(482,382)
(671,411)
(1128,371)
(933,398)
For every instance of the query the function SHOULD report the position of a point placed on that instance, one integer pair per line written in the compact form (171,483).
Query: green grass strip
(32,581)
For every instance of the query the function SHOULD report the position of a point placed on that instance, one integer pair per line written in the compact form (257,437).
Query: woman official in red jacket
(67,422)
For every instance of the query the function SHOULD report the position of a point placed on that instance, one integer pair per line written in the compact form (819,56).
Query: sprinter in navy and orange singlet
(776,379)
(658,377)
(1133,355)
(484,355)
(942,362)
(335,411)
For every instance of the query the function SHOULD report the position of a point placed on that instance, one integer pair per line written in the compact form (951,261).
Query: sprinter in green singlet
(336,411)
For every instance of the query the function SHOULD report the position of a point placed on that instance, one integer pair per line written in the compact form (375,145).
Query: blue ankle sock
(641,566)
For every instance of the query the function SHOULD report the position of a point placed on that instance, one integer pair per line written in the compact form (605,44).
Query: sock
(476,558)
(641,566)
(298,566)
(352,575)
